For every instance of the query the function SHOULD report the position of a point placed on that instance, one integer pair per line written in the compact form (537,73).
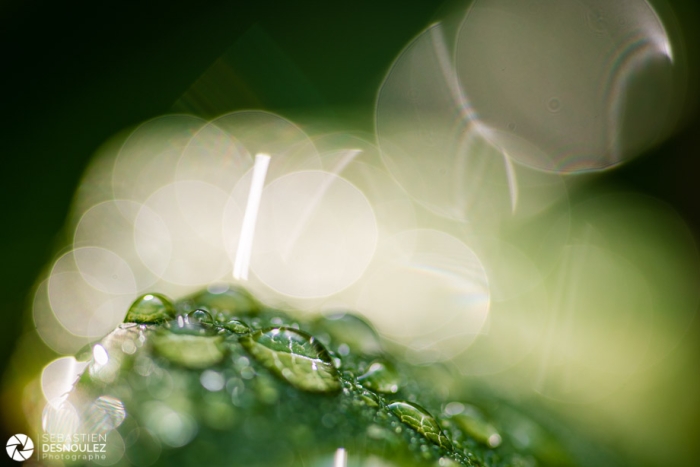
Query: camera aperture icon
(20,447)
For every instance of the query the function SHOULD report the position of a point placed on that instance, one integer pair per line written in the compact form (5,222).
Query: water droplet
(369,398)
(420,420)
(229,300)
(150,308)
(84,354)
(199,316)
(294,356)
(236,326)
(194,327)
(472,422)
(381,376)
(352,331)
(454,408)
(190,351)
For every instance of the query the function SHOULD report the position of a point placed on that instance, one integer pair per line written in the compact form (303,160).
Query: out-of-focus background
(75,76)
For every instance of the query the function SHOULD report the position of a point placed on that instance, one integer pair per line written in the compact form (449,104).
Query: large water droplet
(381,376)
(195,325)
(474,423)
(369,398)
(150,308)
(236,326)
(226,299)
(350,329)
(420,420)
(294,356)
(188,350)
(199,316)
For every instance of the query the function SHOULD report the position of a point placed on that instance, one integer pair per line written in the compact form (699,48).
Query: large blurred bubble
(432,144)
(178,233)
(567,85)
(89,291)
(316,234)
(148,158)
(110,225)
(428,291)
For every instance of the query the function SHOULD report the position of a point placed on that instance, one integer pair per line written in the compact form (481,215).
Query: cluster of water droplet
(224,375)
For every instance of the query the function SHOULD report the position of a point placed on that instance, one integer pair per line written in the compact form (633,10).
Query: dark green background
(73,74)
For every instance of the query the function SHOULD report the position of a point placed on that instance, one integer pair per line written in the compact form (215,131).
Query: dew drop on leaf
(150,308)
(351,330)
(226,299)
(294,356)
(236,326)
(420,420)
(381,376)
(474,423)
(199,316)
(189,351)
